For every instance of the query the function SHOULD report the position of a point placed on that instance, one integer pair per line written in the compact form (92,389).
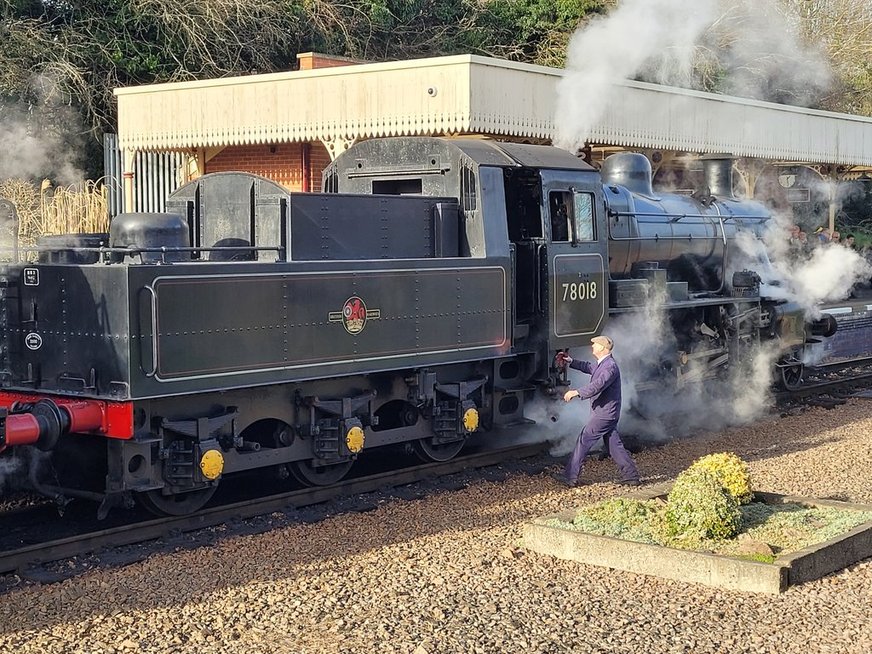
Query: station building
(287,126)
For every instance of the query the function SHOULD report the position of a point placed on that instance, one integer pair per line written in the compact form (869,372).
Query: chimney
(313,60)
(718,170)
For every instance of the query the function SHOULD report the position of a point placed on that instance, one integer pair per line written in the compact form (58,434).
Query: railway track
(844,379)
(858,363)
(20,559)
(841,386)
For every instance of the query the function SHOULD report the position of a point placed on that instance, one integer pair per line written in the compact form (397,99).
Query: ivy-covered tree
(63,57)
(92,46)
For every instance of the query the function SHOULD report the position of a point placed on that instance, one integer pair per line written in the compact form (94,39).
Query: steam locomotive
(422,297)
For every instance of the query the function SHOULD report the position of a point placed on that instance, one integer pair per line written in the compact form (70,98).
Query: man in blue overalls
(604,392)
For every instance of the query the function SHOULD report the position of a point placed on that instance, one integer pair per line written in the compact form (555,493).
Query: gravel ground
(448,573)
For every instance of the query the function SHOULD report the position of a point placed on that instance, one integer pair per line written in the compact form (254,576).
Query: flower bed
(781,541)
(765,530)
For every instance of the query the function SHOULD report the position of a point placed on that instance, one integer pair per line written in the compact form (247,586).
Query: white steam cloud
(748,45)
(30,156)
(758,45)
(15,470)
(664,398)
(617,47)
(808,275)
(41,139)
(9,468)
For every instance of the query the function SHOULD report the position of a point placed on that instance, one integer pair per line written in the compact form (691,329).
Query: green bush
(731,471)
(698,507)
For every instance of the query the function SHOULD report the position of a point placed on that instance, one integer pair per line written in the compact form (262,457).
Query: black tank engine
(420,299)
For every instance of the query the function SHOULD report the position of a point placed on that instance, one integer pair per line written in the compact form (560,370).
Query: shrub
(731,471)
(698,507)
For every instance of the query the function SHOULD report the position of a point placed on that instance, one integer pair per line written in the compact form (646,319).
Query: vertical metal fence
(157,175)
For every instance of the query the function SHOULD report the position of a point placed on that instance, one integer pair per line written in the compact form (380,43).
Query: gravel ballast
(447,573)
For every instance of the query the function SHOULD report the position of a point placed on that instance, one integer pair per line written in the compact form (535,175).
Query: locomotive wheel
(178,504)
(791,376)
(429,451)
(310,475)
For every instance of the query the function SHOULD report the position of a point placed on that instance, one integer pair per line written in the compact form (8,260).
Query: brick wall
(281,163)
(319,159)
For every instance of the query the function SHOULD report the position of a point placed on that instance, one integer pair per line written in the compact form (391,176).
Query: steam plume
(739,47)
(662,398)
(808,276)
(40,139)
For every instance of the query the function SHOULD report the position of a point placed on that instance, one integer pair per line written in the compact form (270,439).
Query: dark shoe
(630,482)
(561,479)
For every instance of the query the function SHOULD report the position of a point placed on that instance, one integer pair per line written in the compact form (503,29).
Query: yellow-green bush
(731,471)
(699,507)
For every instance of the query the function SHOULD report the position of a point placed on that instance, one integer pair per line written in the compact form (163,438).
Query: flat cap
(605,341)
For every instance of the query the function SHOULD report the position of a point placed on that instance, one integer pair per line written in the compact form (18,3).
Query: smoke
(10,468)
(562,421)
(739,47)
(15,469)
(672,389)
(642,338)
(41,139)
(31,156)
(759,47)
(808,275)
(617,47)
(664,397)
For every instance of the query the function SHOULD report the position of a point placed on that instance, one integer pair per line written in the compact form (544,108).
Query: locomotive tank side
(362,319)
(537,210)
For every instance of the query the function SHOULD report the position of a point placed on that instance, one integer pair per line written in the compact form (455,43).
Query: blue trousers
(605,428)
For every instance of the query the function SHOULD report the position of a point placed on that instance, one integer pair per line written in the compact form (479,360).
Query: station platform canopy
(468,94)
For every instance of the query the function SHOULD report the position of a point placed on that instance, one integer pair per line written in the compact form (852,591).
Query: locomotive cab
(577,292)
(556,227)
(537,210)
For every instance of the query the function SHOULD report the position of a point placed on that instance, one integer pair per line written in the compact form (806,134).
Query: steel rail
(859,362)
(822,388)
(21,558)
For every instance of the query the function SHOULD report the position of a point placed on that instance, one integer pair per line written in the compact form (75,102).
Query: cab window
(583,216)
(559,204)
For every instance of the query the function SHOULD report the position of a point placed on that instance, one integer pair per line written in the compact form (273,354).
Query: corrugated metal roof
(470,94)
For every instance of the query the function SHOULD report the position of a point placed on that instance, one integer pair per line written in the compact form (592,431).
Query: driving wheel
(311,475)
(177,504)
(429,451)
